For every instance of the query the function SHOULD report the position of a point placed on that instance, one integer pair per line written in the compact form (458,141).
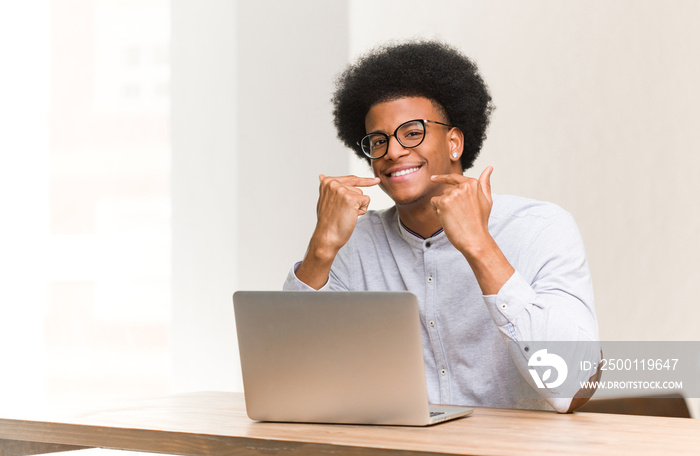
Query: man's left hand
(464,208)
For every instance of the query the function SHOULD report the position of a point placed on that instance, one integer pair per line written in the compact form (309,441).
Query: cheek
(444,155)
(438,157)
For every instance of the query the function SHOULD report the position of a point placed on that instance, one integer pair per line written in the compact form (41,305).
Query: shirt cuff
(294,284)
(511,299)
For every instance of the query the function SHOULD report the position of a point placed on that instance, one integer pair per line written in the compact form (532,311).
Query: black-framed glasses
(409,134)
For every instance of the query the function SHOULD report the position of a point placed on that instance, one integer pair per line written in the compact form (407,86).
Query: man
(486,268)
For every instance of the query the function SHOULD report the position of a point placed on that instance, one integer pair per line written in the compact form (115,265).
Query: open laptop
(334,357)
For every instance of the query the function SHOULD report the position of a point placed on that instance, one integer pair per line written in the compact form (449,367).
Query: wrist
(315,268)
(320,251)
(477,248)
(491,268)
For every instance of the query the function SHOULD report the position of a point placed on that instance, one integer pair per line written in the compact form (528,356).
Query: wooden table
(216,424)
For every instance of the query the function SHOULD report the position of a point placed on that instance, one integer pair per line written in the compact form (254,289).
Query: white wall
(251,124)
(24,194)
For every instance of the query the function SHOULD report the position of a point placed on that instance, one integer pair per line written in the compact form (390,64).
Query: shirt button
(443,371)
(427,245)
(430,279)
(504,306)
(431,323)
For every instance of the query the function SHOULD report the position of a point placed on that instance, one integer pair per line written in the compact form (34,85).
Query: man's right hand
(340,203)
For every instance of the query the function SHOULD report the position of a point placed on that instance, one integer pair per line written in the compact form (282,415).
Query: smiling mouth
(404,172)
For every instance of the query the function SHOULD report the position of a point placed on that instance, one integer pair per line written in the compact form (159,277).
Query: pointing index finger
(366,181)
(356,181)
(454,179)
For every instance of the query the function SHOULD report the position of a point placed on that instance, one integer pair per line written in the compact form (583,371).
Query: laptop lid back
(332,357)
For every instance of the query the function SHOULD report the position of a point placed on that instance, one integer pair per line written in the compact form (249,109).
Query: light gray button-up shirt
(549,298)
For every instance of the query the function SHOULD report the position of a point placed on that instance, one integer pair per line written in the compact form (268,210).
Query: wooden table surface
(215,423)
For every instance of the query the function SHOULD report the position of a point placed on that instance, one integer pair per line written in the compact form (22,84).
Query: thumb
(485,182)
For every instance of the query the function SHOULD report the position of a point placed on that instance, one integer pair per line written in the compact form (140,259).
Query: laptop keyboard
(432,414)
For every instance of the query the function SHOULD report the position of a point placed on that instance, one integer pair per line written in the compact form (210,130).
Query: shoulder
(518,221)
(377,220)
(375,228)
(514,208)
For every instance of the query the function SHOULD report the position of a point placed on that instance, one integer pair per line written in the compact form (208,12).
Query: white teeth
(403,172)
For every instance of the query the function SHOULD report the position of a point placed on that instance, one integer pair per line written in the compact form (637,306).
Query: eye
(412,136)
(378,142)
(413,133)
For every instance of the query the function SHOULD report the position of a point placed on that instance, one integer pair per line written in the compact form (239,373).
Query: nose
(394,149)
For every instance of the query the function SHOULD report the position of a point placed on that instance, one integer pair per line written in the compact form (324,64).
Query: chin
(406,197)
(408,200)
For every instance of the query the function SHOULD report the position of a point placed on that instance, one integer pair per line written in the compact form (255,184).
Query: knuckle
(347,197)
(468,187)
(334,184)
(452,194)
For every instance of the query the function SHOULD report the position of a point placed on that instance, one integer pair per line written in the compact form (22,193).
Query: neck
(422,220)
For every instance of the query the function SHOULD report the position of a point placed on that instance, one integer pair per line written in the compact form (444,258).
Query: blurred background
(156,156)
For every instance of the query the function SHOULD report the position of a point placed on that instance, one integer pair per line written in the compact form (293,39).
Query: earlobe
(456,143)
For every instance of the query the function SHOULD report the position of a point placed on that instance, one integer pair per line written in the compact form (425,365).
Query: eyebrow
(383,132)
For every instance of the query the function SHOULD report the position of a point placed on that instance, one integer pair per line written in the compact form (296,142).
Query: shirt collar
(416,241)
(418,235)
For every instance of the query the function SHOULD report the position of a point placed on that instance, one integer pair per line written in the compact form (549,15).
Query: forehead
(388,115)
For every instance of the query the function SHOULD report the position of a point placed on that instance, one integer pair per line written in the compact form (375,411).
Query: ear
(455,139)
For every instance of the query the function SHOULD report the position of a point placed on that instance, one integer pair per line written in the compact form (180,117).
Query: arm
(550,299)
(554,303)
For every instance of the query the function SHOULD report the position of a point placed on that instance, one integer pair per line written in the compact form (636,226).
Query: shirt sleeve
(549,297)
(334,283)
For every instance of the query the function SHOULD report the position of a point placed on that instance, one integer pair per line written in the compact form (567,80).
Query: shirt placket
(431,283)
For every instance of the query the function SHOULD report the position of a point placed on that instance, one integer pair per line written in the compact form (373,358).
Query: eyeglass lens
(409,134)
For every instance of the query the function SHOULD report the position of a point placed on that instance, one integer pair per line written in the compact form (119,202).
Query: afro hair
(429,69)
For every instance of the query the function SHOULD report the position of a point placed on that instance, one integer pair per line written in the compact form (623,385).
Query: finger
(350,181)
(356,181)
(364,206)
(485,182)
(338,184)
(435,202)
(486,174)
(454,179)
(364,181)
